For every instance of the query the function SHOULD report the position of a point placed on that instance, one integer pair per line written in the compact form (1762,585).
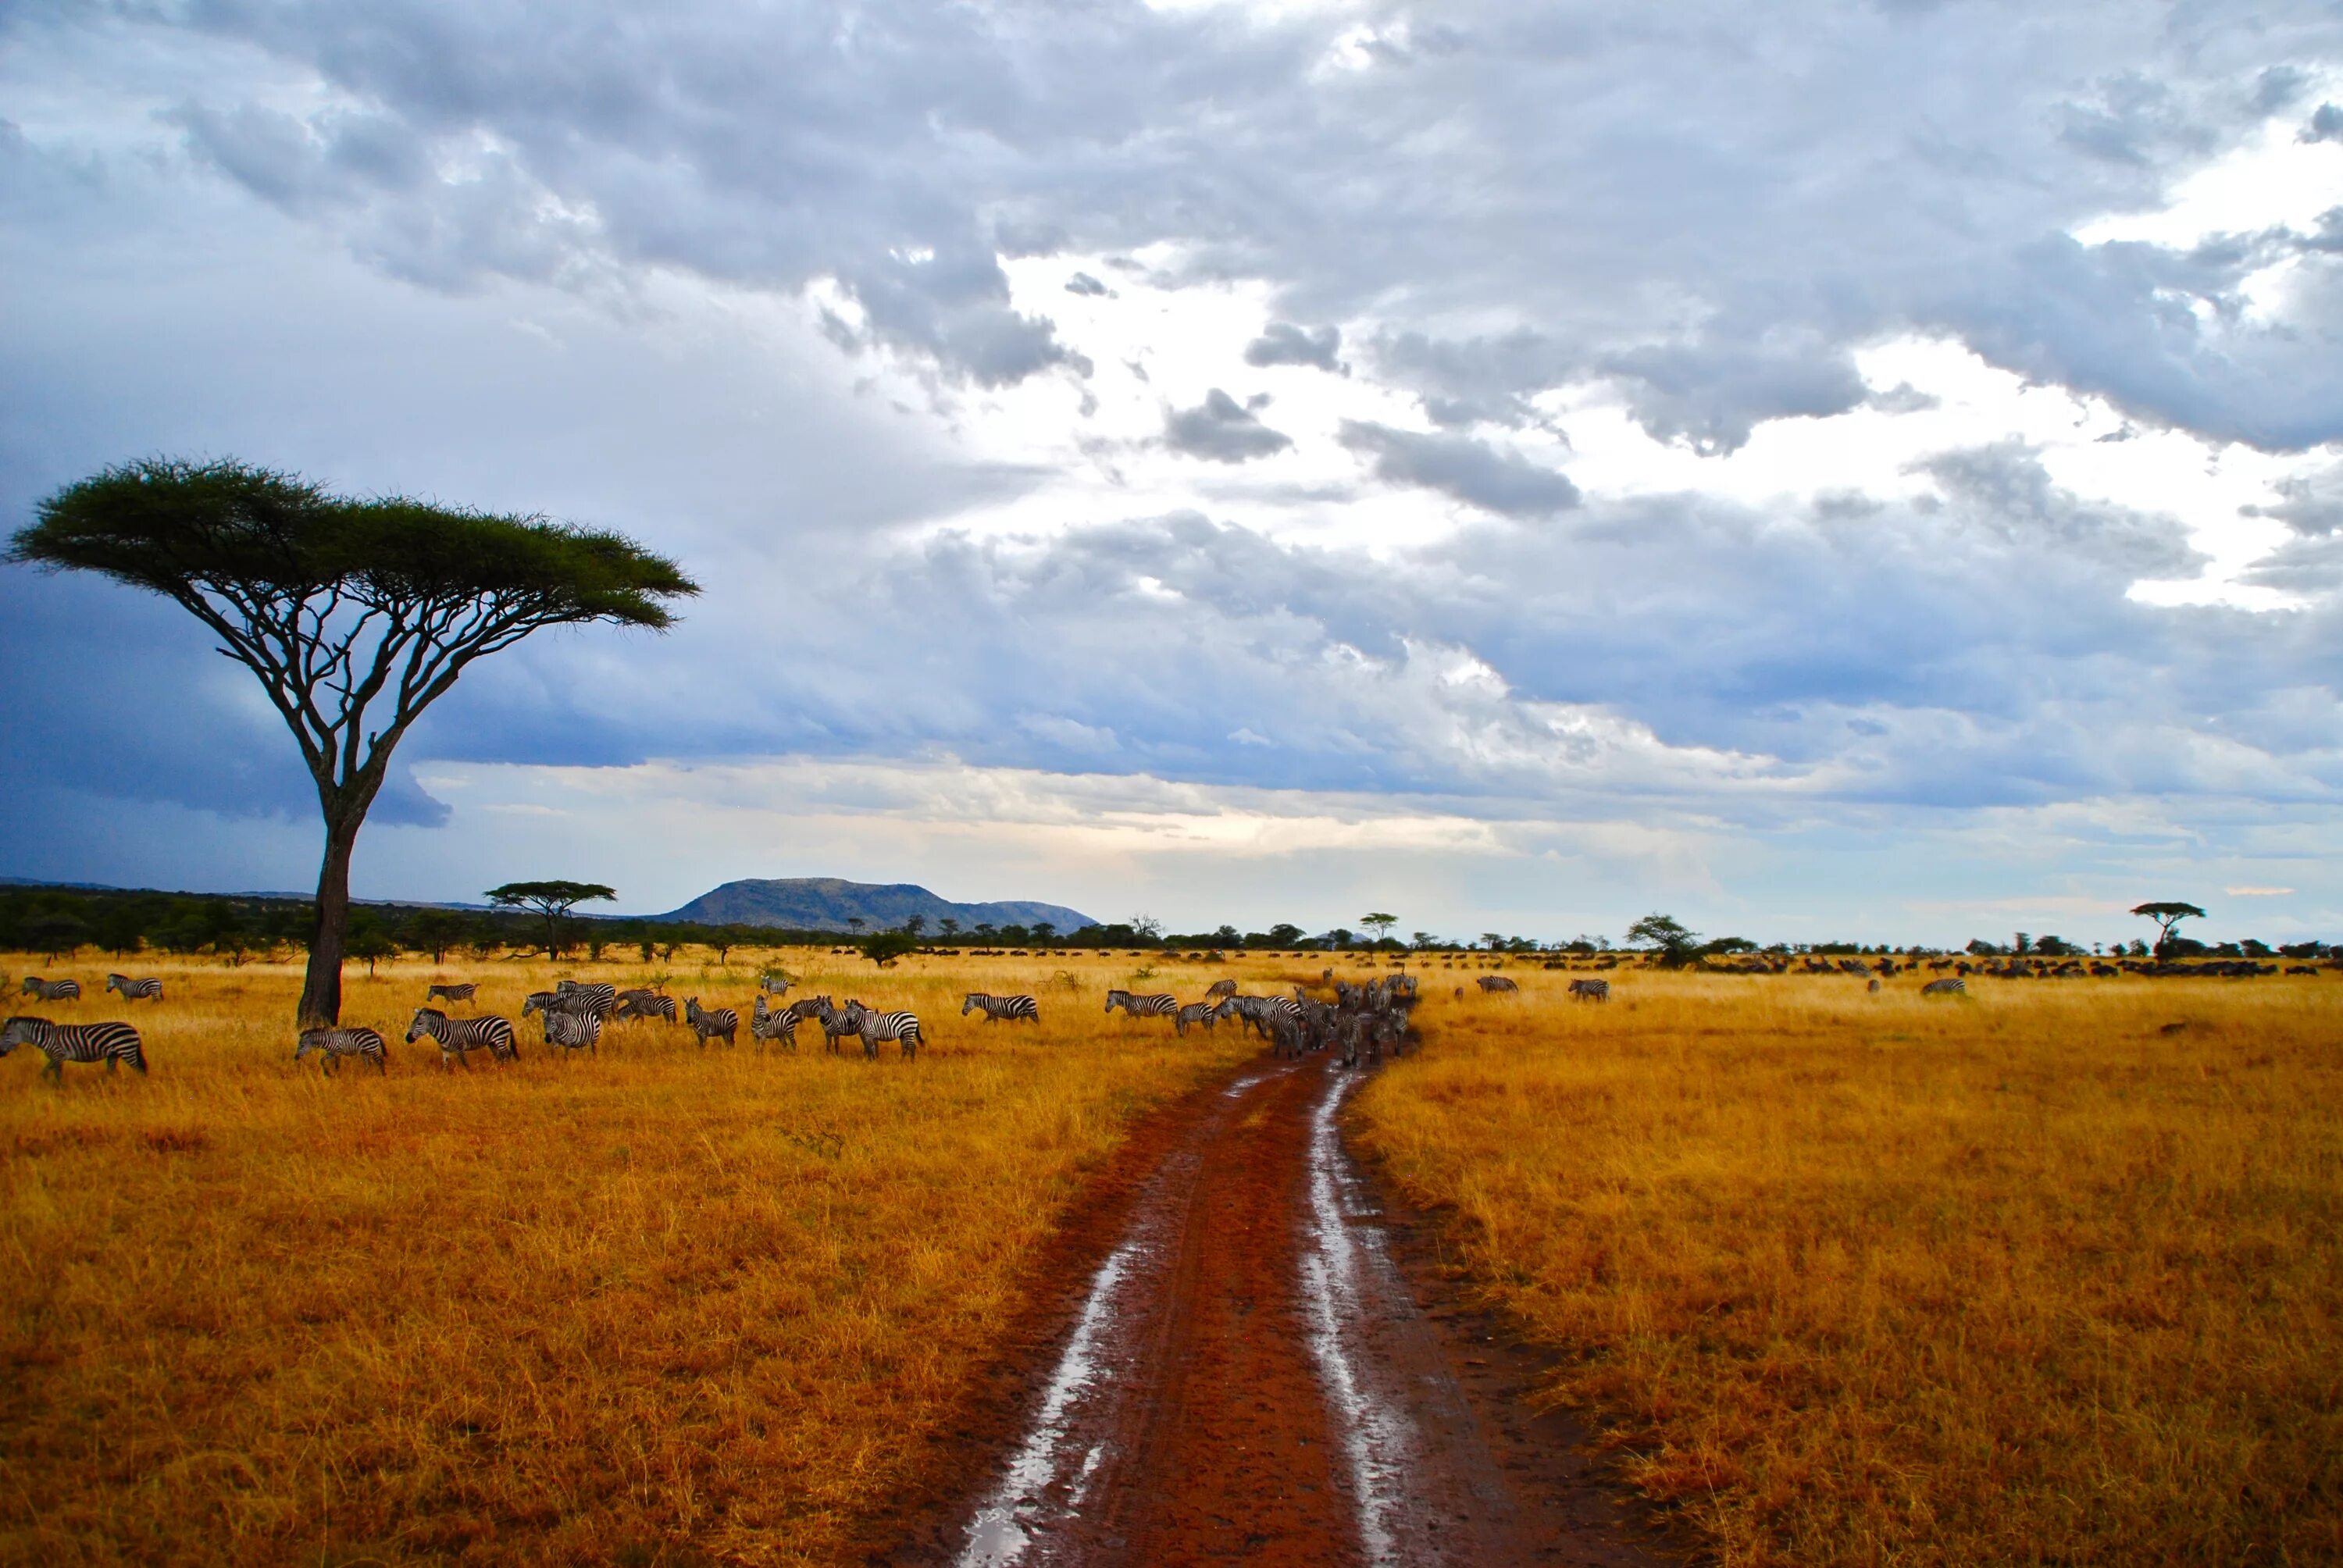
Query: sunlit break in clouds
(1862,470)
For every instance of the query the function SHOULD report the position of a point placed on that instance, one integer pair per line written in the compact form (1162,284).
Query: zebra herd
(111,1043)
(1362,1023)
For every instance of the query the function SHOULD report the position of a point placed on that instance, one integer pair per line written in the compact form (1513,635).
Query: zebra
(1218,989)
(1496,983)
(835,1023)
(1162,1004)
(706,1024)
(774,1023)
(112,1043)
(453,992)
(874,1027)
(1206,1014)
(333,1044)
(53,990)
(1945,988)
(1590,991)
(644,1004)
(458,1037)
(996,1008)
(575,1030)
(132,989)
(1264,1013)
(598,999)
(773,985)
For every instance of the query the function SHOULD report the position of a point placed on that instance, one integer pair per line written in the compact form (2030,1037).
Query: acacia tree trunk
(321,989)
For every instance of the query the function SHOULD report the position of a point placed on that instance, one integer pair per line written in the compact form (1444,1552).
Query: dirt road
(1248,1375)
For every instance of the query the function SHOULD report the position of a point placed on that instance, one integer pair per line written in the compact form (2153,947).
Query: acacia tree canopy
(550,901)
(356,614)
(2167,915)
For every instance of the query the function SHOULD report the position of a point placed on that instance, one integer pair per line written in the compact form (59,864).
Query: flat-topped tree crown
(355,614)
(2167,914)
(552,901)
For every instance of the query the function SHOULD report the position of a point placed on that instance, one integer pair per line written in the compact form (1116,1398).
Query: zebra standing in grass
(333,1044)
(835,1023)
(132,989)
(723,1022)
(111,1043)
(1206,1014)
(579,1030)
(996,1008)
(874,1027)
(644,1004)
(1218,989)
(598,999)
(1162,1004)
(1590,991)
(1496,983)
(460,992)
(53,990)
(458,1037)
(774,1023)
(1945,988)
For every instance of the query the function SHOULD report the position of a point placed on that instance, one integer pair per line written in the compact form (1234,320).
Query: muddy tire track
(1246,1374)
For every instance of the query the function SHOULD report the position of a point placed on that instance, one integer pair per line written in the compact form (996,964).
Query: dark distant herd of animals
(1363,1022)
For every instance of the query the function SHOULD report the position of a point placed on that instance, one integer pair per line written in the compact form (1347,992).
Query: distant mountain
(826,903)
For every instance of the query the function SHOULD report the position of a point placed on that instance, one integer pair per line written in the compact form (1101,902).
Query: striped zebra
(111,1043)
(723,1022)
(1590,991)
(1206,1013)
(333,1044)
(1218,989)
(835,1023)
(1162,1004)
(1496,983)
(579,1030)
(598,999)
(53,990)
(132,989)
(458,1037)
(773,984)
(774,1023)
(1945,988)
(644,1004)
(996,1008)
(458,992)
(873,1027)
(1263,1013)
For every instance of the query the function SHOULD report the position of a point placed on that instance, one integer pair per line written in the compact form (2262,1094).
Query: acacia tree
(2167,915)
(551,903)
(1666,936)
(1379,926)
(355,614)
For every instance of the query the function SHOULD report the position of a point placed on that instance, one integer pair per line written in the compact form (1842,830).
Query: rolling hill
(826,903)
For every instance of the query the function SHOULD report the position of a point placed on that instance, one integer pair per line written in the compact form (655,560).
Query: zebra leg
(57,1069)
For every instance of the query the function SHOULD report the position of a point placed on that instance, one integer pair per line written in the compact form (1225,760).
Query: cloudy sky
(1817,468)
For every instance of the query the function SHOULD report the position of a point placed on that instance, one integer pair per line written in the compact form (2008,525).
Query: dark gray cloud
(1220,430)
(1471,471)
(1283,343)
(1083,283)
(2326,125)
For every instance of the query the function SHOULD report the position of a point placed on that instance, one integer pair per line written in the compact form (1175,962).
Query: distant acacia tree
(1379,926)
(886,947)
(1666,936)
(549,902)
(356,614)
(948,927)
(2167,915)
(436,931)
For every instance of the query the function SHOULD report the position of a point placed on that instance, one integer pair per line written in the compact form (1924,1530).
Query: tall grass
(659,1305)
(2054,1275)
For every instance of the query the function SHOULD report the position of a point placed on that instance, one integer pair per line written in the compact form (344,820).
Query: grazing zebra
(1218,989)
(873,1027)
(706,1024)
(1590,991)
(996,1008)
(112,1043)
(458,1037)
(644,1004)
(53,990)
(1497,982)
(1206,1014)
(1945,988)
(457,992)
(333,1044)
(575,1030)
(774,1023)
(598,999)
(1162,1004)
(132,989)
(773,985)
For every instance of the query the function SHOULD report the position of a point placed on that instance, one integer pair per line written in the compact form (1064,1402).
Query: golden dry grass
(663,1305)
(2054,1275)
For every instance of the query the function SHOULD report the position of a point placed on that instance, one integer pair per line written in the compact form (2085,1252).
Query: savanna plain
(2048,1274)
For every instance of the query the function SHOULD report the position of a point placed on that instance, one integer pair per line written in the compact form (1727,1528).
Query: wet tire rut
(1245,1375)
